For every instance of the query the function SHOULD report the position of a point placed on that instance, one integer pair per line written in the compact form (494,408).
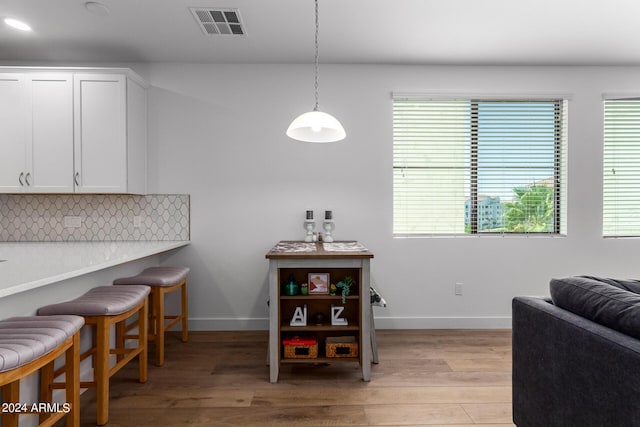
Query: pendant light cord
(316,58)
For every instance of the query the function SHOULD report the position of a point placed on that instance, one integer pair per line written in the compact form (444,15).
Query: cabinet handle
(26,178)
(76,179)
(20,179)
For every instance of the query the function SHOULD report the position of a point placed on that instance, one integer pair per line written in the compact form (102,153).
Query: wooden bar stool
(102,308)
(162,280)
(31,344)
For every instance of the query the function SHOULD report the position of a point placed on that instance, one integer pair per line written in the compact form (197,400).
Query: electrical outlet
(458,288)
(137,221)
(72,222)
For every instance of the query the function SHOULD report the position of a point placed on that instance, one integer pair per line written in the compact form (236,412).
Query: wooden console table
(338,259)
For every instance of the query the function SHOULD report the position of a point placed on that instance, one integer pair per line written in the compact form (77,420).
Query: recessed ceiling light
(97,8)
(18,25)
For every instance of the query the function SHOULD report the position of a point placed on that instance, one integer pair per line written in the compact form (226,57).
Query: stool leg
(11,393)
(159,297)
(152,314)
(143,331)
(101,370)
(185,313)
(120,340)
(72,381)
(46,390)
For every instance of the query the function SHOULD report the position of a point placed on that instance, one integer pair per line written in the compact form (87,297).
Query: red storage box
(300,348)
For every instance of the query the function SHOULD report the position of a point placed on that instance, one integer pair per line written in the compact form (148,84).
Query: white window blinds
(621,180)
(478,166)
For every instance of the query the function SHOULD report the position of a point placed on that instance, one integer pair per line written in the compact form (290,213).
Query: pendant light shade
(316,126)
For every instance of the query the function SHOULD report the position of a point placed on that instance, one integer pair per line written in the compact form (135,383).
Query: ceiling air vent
(219,21)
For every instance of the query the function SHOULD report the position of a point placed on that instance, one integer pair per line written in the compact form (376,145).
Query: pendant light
(316,126)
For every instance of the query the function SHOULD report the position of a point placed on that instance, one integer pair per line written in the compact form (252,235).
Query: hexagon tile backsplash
(43,218)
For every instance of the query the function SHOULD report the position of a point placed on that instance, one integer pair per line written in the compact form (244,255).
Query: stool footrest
(172,323)
(82,384)
(126,359)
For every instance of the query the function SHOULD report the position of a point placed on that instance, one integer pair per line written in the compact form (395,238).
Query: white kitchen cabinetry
(72,131)
(36,133)
(13,131)
(51,134)
(109,134)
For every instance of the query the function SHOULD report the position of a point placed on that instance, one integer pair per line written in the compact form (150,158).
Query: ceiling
(485,32)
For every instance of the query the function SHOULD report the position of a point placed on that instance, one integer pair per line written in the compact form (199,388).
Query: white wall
(217,132)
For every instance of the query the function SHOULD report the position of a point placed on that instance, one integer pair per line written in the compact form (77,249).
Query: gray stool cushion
(156,276)
(25,339)
(100,301)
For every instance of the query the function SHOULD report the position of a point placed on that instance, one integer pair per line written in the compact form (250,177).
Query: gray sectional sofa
(576,355)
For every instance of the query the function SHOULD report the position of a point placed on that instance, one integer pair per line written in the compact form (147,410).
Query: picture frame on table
(318,283)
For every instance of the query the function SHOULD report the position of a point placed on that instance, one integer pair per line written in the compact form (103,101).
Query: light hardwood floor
(448,378)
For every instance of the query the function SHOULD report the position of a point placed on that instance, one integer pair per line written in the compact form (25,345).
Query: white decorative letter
(299,317)
(336,320)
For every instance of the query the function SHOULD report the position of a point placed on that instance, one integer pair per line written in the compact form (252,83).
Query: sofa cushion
(629,285)
(600,302)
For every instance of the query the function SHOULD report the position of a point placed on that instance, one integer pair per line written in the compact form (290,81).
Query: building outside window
(490,213)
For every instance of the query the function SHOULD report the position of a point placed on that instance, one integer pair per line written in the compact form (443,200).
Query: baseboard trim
(228,324)
(484,322)
(260,324)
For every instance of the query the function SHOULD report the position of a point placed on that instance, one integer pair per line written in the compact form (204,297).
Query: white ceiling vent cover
(225,22)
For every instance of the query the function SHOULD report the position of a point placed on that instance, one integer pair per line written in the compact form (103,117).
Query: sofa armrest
(569,371)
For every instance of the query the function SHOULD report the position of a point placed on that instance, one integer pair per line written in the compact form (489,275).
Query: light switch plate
(458,288)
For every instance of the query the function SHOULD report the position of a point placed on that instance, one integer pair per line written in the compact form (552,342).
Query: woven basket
(341,346)
(300,349)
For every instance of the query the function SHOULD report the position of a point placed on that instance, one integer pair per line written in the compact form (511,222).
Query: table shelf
(316,328)
(320,360)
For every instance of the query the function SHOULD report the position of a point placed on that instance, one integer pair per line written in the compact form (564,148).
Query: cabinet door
(50,154)
(13,133)
(100,145)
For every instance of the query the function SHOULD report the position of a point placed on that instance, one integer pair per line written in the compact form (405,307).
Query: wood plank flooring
(451,378)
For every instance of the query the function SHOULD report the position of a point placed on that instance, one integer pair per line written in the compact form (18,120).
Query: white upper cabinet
(36,133)
(13,132)
(66,131)
(50,154)
(110,157)
(110,134)
(100,133)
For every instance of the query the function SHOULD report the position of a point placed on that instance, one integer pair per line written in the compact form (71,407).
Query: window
(470,166)
(621,180)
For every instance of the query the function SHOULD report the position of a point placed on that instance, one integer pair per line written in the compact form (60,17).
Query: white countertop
(30,265)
